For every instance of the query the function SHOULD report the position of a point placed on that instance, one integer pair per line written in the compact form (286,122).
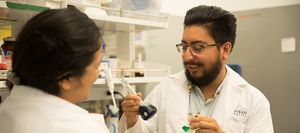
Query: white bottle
(139,67)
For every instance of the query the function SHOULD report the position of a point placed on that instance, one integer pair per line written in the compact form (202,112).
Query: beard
(208,75)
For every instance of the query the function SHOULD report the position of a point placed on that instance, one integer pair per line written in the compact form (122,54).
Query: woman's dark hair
(220,23)
(55,44)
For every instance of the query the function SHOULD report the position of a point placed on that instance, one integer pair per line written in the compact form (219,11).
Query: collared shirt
(197,103)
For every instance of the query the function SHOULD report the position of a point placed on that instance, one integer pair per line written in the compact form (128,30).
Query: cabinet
(124,28)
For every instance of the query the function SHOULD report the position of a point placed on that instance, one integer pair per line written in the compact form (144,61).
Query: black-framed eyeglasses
(195,48)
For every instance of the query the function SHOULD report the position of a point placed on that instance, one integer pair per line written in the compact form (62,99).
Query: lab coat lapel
(227,102)
(177,104)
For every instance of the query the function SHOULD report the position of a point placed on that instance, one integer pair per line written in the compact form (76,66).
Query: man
(208,97)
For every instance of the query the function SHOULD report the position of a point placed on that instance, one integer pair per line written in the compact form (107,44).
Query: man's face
(203,67)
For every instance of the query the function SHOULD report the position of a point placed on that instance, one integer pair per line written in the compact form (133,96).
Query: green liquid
(186,128)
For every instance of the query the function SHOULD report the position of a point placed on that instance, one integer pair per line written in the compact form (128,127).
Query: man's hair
(220,24)
(54,45)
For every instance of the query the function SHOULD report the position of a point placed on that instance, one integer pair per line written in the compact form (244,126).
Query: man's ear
(226,50)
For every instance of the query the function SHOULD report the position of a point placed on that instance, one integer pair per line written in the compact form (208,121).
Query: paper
(288,44)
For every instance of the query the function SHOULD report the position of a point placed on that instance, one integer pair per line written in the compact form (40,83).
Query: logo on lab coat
(240,112)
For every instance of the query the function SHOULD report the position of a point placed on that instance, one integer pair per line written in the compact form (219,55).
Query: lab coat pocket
(238,120)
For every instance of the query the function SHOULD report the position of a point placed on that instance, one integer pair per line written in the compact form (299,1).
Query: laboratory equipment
(146,110)
(187,129)
(110,85)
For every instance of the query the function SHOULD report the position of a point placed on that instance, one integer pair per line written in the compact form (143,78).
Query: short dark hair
(221,24)
(54,45)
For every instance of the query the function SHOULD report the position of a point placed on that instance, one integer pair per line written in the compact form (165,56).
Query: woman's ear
(69,83)
(68,89)
(65,84)
(226,50)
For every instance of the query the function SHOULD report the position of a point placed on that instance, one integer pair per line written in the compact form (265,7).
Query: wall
(276,74)
(257,49)
(160,44)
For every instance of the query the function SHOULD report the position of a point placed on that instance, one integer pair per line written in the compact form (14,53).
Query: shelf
(100,88)
(15,17)
(122,20)
(135,80)
(100,17)
(101,81)
(21,6)
(119,24)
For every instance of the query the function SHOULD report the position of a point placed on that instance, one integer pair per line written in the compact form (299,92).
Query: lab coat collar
(229,95)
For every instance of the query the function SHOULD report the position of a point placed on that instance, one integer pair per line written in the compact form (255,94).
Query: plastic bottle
(104,62)
(139,67)
(112,118)
(7,49)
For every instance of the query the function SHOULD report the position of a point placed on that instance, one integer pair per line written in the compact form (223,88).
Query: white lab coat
(241,108)
(29,110)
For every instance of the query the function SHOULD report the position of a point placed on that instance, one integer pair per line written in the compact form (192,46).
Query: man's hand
(130,106)
(204,124)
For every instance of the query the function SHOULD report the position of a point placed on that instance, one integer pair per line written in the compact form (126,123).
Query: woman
(55,63)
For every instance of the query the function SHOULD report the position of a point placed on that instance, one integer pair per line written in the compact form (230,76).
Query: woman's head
(53,46)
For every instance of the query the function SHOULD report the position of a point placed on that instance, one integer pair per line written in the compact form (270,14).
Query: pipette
(111,86)
(146,110)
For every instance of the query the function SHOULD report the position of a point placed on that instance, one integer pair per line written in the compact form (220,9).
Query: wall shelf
(107,22)
(135,80)
(121,24)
